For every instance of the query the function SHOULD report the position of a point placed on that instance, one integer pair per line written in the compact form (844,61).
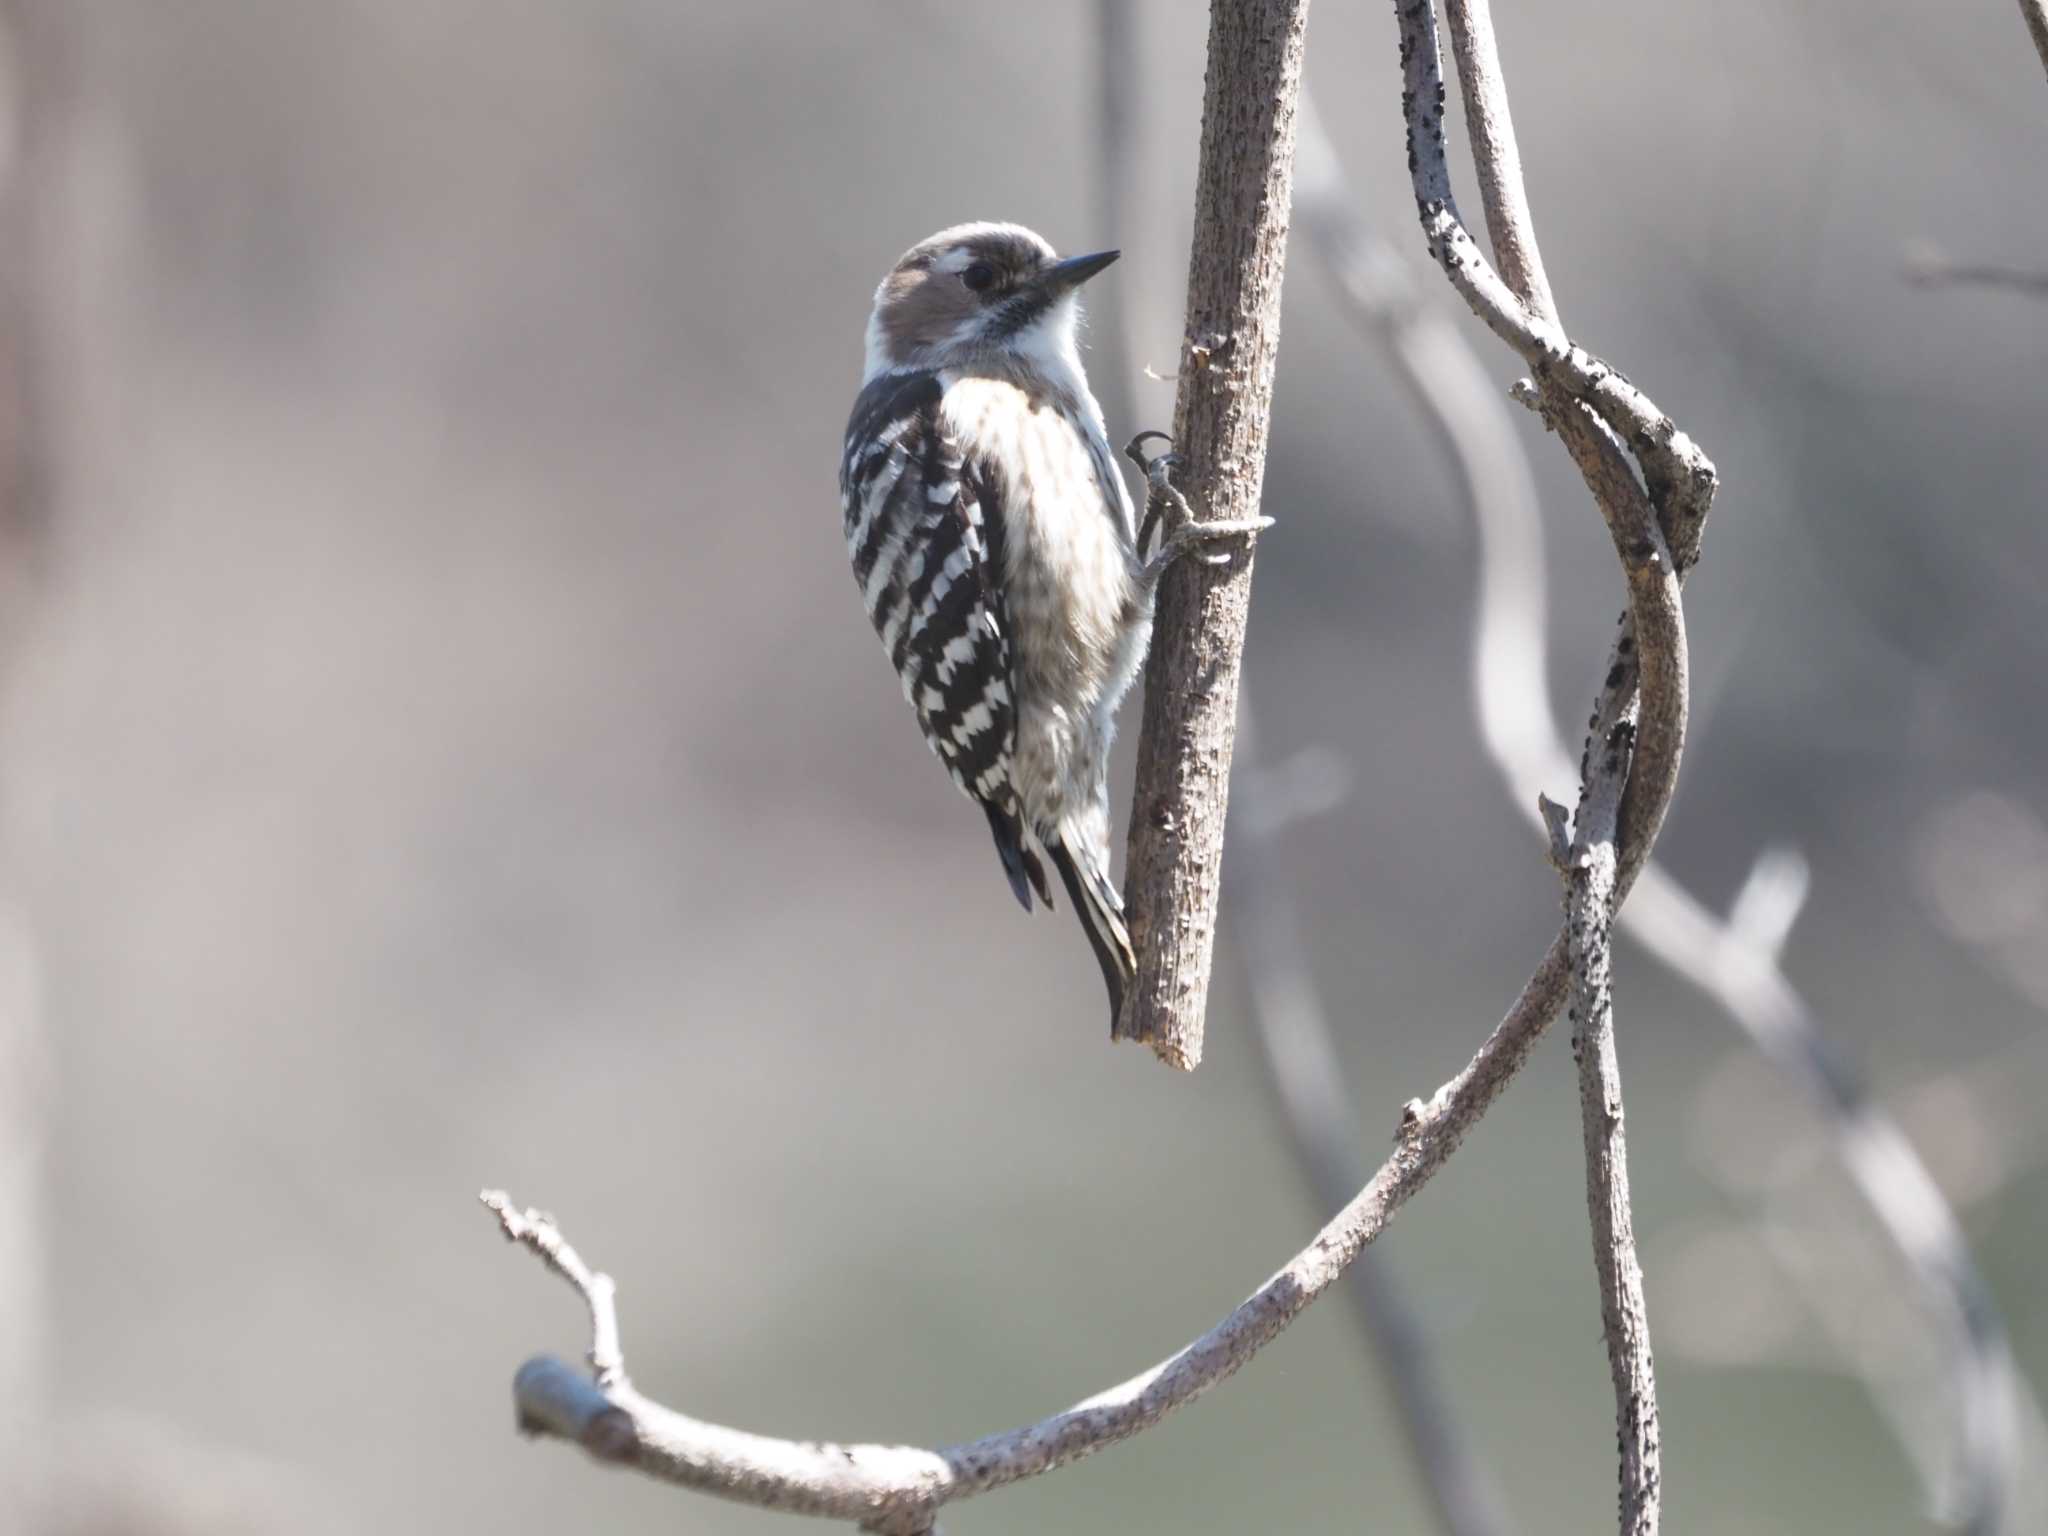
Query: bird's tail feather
(1019,862)
(1102,917)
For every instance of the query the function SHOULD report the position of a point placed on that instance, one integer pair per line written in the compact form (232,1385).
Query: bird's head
(980,293)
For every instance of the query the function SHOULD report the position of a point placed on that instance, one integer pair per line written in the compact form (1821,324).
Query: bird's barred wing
(925,530)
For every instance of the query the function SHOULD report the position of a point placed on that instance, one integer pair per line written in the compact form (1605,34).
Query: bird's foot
(1188,538)
(1164,504)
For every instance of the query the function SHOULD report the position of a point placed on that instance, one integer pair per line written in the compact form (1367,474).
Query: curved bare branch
(899,1489)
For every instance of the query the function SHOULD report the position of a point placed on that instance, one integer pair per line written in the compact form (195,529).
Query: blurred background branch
(34,109)
(1927,267)
(2035,13)
(1305,1076)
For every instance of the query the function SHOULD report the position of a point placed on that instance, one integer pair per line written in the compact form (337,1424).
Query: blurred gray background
(446,749)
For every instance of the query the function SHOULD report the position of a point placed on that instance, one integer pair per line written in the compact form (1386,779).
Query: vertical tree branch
(1591,872)
(1624,1317)
(1243,192)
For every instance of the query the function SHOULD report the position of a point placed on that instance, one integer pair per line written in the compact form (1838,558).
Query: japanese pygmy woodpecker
(997,552)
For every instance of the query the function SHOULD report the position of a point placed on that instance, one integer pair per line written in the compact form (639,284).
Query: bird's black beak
(1065,276)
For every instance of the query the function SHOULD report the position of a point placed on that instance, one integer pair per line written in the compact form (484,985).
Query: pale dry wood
(899,1489)
(1680,478)
(1497,157)
(1243,193)
(1591,867)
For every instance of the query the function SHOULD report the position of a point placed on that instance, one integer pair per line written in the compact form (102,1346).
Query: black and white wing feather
(924,528)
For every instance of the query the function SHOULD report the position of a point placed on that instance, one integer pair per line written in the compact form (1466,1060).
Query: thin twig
(1496,157)
(1590,899)
(539,1234)
(1680,477)
(1303,1073)
(1243,192)
(898,1489)
(1654,617)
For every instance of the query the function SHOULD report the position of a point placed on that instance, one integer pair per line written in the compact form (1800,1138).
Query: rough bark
(1243,192)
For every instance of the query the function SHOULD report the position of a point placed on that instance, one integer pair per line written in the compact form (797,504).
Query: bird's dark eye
(978,276)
